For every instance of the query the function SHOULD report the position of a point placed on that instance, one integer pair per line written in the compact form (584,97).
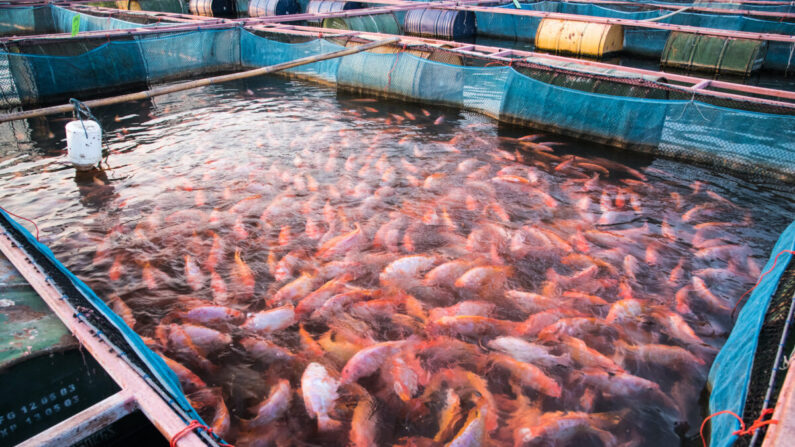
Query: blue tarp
(730,374)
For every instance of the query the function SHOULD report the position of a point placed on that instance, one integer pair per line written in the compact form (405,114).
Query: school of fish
(475,291)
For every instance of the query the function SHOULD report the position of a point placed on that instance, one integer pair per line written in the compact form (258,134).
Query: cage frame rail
(87,422)
(148,398)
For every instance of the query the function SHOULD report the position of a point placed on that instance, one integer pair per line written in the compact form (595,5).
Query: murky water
(596,284)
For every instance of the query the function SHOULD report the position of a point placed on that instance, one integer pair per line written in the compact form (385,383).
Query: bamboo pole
(158,91)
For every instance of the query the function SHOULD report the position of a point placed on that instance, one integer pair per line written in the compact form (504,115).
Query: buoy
(84,143)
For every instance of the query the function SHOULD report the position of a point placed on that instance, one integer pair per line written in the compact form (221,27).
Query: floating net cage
(53,19)
(616,110)
(610,106)
(457,24)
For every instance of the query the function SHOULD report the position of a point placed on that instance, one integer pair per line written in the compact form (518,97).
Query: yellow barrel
(579,38)
(131,5)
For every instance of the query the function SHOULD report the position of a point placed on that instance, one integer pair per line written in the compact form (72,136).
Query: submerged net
(733,386)
(765,357)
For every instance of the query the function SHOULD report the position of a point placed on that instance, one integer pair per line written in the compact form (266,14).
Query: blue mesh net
(121,64)
(62,21)
(745,140)
(731,372)
(189,54)
(20,20)
(257,51)
(640,41)
(54,19)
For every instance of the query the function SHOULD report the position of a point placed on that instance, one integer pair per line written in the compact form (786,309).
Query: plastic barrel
(213,8)
(713,53)
(263,8)
(440,23)
(84,143)
(579,38)
(322,6)
(378,23)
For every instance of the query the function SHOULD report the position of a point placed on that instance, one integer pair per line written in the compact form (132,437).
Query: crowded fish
(384,288)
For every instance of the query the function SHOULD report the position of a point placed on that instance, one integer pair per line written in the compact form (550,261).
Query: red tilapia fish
(463,292)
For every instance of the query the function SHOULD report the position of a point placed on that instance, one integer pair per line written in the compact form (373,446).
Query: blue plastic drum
(265,8)
(321,6)
(213,8)
(440,23)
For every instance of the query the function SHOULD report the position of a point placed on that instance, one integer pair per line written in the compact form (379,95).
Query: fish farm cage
(708,82)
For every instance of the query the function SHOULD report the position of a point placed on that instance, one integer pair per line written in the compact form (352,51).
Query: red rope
(389,75)
(194,424)
(758,423)
(23,218)
(760,278)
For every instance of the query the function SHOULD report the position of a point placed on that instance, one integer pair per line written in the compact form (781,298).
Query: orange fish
(364,425)
(148,275)
(116,269)
(341,244)
(216,253)
(239,229)
(528,375)
(243,278)
(284,235)
(319,391)
(193,275)
(368,360)
(218,286)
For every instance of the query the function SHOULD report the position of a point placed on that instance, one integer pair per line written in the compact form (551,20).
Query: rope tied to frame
(193,425)
(742,431)
(81,110)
